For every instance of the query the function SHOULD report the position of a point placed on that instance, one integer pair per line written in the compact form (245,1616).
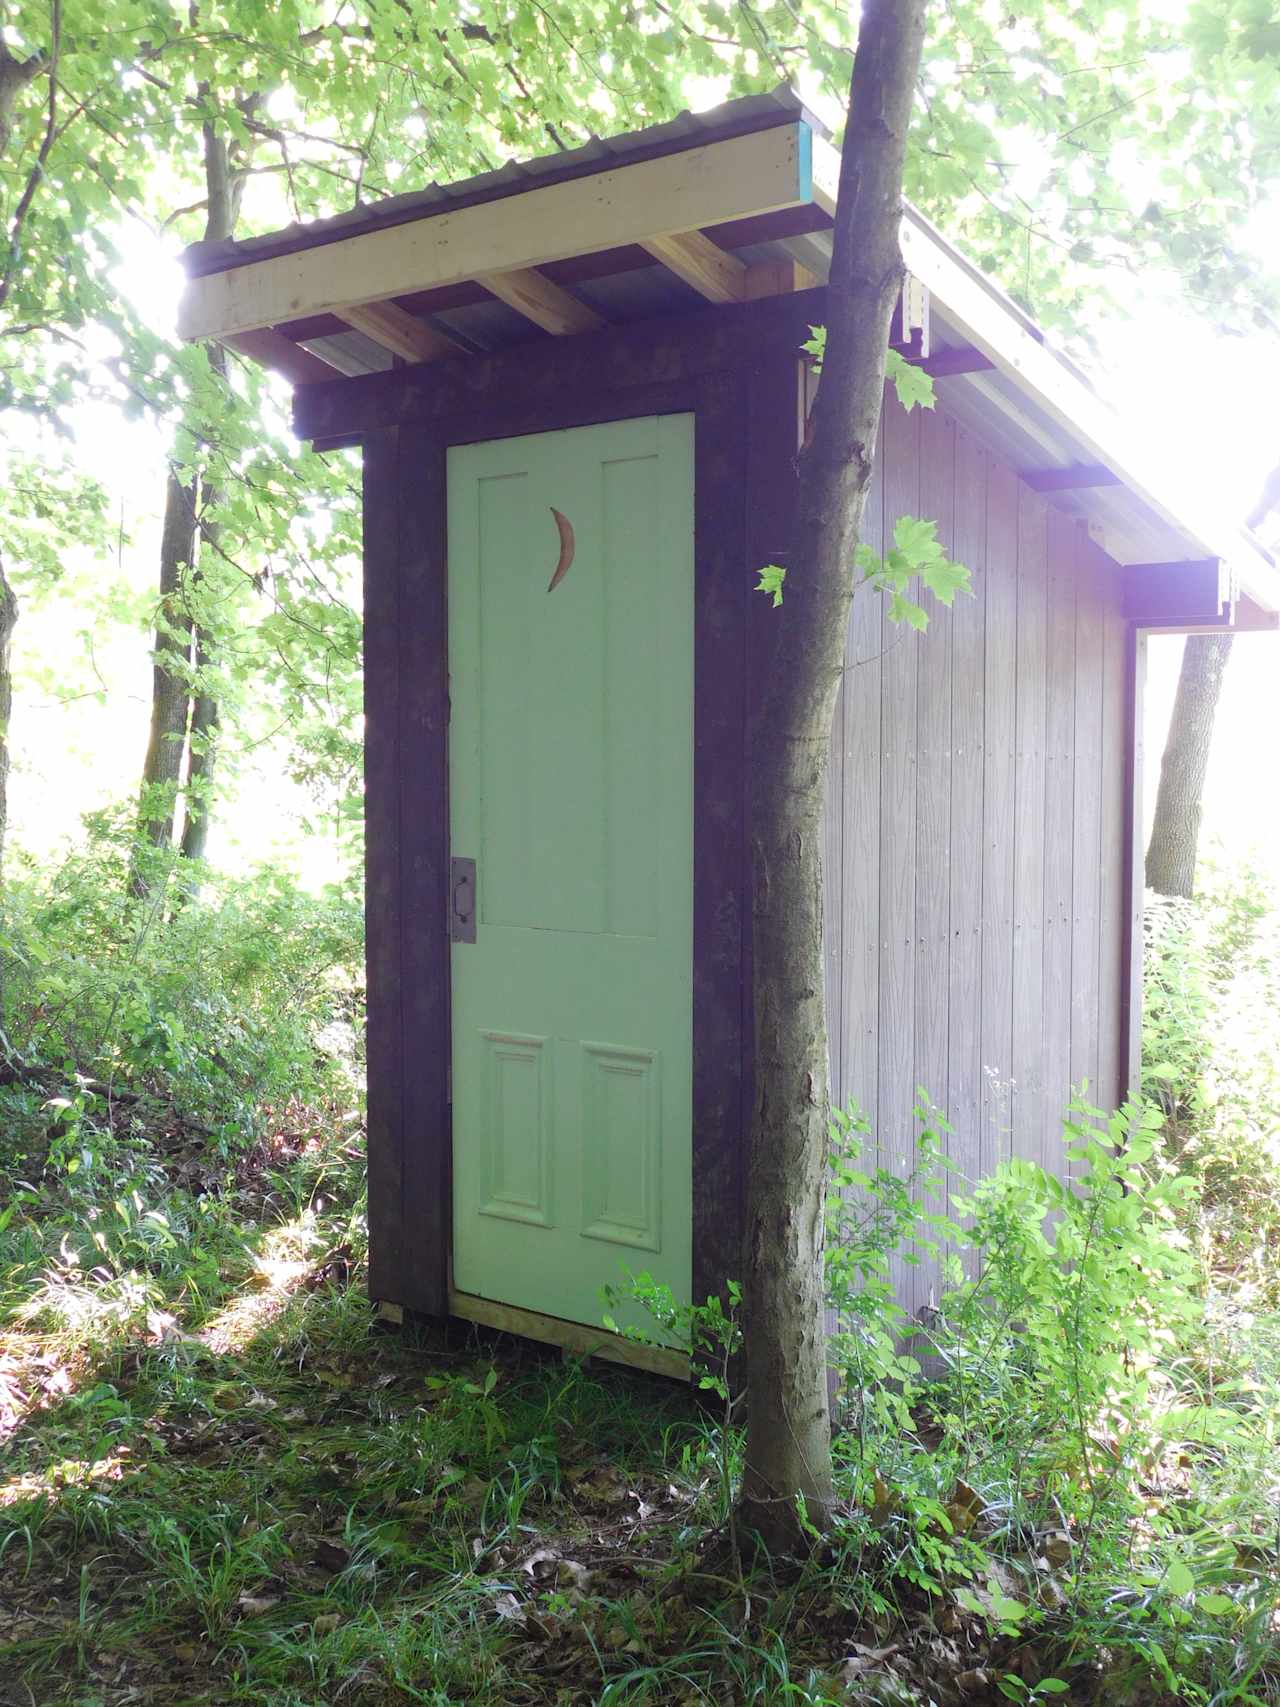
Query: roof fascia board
(760,172)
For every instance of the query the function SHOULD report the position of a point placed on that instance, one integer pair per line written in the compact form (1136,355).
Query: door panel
(571,786)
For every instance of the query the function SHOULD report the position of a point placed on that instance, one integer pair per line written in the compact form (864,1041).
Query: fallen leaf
(884,1502)
(330,1556)
(974,1682)
(865,1659)
(254,1605)
(1057,1549)
(542,1564)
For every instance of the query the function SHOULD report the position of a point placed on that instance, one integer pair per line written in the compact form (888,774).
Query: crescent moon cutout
(567,547)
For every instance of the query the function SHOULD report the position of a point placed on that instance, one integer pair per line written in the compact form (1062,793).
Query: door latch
(462,900)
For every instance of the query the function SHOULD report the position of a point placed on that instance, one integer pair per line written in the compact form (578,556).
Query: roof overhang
(718,207)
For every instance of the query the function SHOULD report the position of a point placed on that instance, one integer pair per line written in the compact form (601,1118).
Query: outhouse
(579,388)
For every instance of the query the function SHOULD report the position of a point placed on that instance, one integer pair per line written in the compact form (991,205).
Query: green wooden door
(571,786)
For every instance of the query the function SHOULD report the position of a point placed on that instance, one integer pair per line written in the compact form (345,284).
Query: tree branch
(37,171)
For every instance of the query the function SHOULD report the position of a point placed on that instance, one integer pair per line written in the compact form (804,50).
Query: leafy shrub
(214,999)
(1212,1065)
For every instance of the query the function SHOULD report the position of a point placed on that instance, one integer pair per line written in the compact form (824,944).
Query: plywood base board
(574,1337)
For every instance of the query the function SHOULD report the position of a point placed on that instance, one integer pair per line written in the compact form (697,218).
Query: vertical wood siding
(976,846)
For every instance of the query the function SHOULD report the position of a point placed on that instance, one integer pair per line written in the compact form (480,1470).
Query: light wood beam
(737,178)
(693,257)
(398,331)
(541,300)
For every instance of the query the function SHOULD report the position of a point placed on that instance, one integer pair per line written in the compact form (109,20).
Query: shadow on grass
(256,1495)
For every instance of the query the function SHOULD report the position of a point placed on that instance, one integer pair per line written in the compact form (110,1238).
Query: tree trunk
(1175,829)
(162,766)
(8,620)
(175,712)
(788,1452)
(203,734)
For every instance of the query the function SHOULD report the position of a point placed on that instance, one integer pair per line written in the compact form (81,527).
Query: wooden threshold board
(573,1337)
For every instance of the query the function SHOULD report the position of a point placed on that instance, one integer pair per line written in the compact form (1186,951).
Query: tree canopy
(1073,147)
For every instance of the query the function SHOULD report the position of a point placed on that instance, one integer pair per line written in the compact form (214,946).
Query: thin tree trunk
(8,621)
(177,714)
(1175,829)
(788,1451)
(203,734)
(162,765)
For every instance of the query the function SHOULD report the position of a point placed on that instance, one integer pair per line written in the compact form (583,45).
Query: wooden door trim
(407,785)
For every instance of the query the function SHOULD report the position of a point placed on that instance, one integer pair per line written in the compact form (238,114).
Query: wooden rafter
(541,300)
(702,264)
(272,349)
(1073,478)
(398,331)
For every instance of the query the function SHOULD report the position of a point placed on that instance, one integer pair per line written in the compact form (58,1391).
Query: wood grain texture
(980,777)
(1132,884)
(1088,855)
(1059,832)
(272,349)
(385,1120)
(576,1339)
(833,834)
(933,775)
(721,901)
(703,186)
(399,331)
(964,863)
(1115,865)
(702,264)
(858,908)
(424,862)
(541,300)
(1027,1050)
(1013,839)
(899,759)
(775,411)
(499,394)
(1001,673)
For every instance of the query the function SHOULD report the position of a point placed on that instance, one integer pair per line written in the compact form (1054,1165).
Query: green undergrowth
(222,1481)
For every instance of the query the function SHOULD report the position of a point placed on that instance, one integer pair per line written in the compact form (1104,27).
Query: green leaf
(1179,1578)
(945,579)
(903,609)
(771,579)
(912,384)
(1216,1604)
(916,539)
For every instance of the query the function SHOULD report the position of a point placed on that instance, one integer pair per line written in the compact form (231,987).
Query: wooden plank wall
(976,836)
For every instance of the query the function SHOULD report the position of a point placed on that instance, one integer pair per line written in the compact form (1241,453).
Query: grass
(222,1482)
